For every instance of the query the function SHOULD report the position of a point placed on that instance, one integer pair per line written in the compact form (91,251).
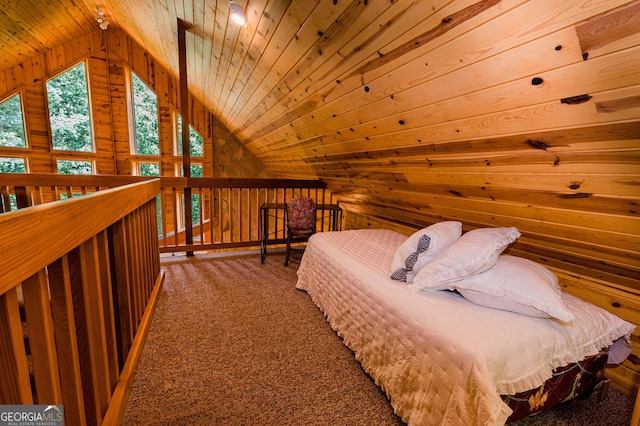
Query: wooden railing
(79,279)
(224,212)
(80,273)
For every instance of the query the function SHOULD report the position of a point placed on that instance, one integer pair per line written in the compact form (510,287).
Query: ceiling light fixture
(237,15)
(101,18)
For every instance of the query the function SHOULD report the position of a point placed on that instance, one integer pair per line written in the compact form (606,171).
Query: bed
(441,358)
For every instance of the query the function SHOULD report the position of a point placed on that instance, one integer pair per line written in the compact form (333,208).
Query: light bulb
(237,15)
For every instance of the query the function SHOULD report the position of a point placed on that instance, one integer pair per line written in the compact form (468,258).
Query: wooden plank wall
(536,127)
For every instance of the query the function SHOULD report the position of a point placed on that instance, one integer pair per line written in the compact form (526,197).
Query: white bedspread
(439,358)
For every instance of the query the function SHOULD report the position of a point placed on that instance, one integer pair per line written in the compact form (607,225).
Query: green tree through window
(74,167)
(68,101)
(153,169)
(195,140)
(196,172)
(145,113)
(149,169)
(12,165)
(11,123)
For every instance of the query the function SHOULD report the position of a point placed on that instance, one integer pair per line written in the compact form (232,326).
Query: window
(8,204)
(152,169)
(195,208)
(195,140)
(148,169)
(196,170)
(69,115)
(74,167)
(13,165)
(11,123)
(145,114)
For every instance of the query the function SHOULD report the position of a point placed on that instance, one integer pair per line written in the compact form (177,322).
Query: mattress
(440,358)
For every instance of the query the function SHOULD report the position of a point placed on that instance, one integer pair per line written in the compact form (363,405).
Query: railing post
(14,370)
(23,197)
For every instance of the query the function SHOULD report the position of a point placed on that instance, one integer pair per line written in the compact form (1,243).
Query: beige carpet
(232,342)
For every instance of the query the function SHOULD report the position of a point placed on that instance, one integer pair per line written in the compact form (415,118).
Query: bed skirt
(568,382)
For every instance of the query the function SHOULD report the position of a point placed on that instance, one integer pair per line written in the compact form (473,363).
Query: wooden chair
(301,222)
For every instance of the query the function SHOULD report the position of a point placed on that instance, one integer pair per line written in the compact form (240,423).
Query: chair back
(301,215)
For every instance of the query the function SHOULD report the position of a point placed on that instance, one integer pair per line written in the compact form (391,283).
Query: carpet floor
(232,342)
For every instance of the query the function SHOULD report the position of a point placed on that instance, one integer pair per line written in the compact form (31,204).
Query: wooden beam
(184,108)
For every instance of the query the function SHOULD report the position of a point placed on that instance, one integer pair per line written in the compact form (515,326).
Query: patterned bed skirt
(567,383)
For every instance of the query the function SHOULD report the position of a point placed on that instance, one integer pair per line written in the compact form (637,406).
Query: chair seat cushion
(302,231)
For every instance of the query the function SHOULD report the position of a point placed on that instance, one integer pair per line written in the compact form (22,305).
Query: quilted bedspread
(440,358)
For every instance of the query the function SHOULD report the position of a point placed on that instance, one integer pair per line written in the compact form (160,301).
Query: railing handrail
(181,182)
(53,179)
(48,231)
(193,213)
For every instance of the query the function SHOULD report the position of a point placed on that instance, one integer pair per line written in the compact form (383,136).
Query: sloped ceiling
(310,79)
(407,108)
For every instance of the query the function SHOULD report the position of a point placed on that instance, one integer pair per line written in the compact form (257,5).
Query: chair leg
(286,258)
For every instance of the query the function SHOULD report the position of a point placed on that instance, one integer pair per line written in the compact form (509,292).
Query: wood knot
(575,185)
(537,144)
(575,100)
(575,195)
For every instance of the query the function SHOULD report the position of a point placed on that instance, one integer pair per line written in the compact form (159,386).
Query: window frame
(92,132)
(24,124)
(136,170)
(133,134)
(91,161)
(25,159)
(177,137)
(178,171)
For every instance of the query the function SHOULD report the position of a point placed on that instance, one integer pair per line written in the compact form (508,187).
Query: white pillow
(422,247)
(518,285)
(475,252)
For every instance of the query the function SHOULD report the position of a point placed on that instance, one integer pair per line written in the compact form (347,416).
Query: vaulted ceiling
(310,79)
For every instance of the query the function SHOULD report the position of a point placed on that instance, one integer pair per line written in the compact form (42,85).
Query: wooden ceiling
(494,112)
(311,79)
